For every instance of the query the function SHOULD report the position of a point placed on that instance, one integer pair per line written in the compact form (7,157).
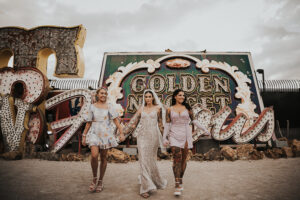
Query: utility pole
(261,71)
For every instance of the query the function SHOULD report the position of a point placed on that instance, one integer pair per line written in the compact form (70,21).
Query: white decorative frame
(115,80)
(246,107)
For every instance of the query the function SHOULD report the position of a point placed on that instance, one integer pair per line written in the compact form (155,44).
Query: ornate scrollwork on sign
(243,90)
(245,126)
(71,124)
(114,81)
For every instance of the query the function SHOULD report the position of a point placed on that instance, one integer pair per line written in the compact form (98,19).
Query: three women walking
(148,126)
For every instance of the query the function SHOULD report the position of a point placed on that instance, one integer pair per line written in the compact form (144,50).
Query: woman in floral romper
(98,134)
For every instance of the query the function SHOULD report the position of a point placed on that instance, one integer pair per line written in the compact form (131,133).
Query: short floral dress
(101,132)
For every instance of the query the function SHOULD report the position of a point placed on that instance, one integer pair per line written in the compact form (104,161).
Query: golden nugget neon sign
(207,89)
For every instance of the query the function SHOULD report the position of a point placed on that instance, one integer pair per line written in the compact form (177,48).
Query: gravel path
(261,179)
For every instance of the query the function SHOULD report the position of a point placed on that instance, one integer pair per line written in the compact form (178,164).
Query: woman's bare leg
(94,165)
(103,164)
(94,160)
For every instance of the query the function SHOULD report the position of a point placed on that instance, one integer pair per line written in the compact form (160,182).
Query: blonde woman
(100,136)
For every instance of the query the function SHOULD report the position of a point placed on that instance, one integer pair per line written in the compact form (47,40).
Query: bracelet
(84,135)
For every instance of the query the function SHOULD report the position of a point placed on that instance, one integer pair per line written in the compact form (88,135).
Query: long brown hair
(153,101)
(175,93)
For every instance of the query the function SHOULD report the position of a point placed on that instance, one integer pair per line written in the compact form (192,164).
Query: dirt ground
(262,179)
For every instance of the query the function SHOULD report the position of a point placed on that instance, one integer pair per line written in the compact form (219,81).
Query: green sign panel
(214,80)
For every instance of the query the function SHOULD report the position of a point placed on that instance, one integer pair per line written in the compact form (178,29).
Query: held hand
(121,137)
(83,141)
(166,143)
(206,133)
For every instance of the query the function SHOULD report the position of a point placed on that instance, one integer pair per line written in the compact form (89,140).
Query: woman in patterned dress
(148,128)
(99,135)
(178,134)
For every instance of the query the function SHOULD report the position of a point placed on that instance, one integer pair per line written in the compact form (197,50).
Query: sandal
(180,184)
(177,190)
(145,195)
(99,187)
(181,187)
(93,185)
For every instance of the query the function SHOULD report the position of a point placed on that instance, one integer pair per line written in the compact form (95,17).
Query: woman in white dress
(99,135)
(147,125)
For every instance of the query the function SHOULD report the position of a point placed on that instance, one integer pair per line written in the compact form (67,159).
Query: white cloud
(268,29)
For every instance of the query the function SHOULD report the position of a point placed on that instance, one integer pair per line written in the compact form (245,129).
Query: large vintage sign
(24,88)
(32,47)
(221,87)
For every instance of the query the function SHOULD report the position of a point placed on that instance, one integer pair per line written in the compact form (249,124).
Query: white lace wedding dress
(148,140)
